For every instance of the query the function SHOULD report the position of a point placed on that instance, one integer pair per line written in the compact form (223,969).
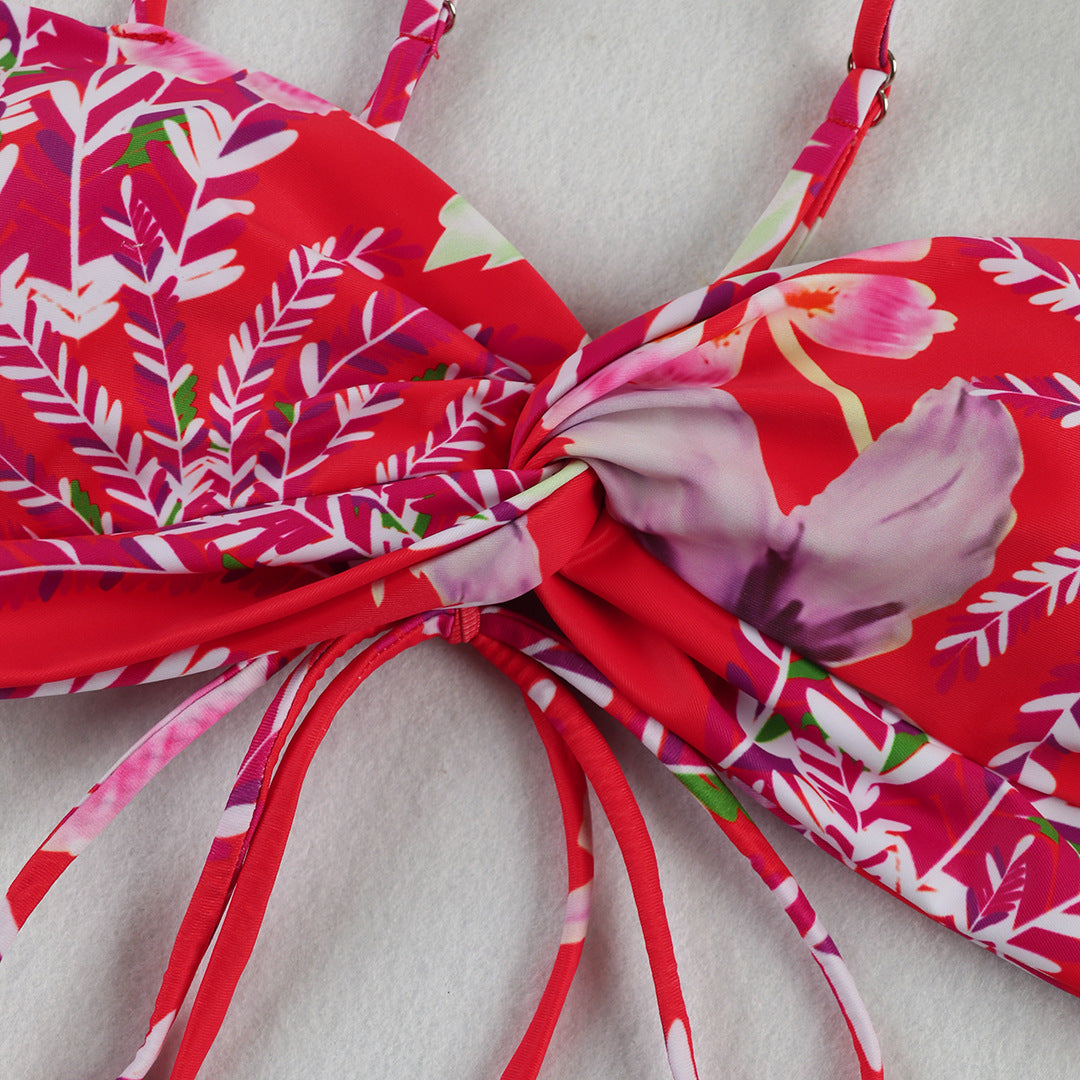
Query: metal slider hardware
(451,16)
(883,98)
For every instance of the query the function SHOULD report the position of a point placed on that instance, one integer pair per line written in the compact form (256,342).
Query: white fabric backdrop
(625,146)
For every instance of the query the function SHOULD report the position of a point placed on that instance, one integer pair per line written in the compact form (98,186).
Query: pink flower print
(872,314)
(712,362)
(681,359)
(869,314)
(906,529)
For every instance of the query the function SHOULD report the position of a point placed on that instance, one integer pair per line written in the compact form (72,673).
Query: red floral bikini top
(811,532)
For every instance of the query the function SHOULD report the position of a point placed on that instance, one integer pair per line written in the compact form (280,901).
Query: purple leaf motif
(1028,272)
(1056,396)
(985,630)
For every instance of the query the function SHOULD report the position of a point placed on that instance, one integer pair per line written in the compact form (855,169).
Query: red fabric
(871,44)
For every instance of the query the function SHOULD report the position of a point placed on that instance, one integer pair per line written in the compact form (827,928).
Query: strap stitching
(159,37)
(430,42)
(843,123)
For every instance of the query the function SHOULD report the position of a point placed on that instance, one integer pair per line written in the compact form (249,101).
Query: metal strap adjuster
(883,98)
(451,15)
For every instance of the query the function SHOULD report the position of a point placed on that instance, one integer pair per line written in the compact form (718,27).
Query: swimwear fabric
(796,321)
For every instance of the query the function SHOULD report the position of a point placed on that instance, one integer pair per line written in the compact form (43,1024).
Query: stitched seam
(843,123)
(430,42)
(159,37)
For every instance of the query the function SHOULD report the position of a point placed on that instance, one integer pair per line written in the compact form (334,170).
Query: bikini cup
(752,516)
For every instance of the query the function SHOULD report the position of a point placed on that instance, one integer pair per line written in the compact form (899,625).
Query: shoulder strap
(148,11)
(422,26)
(871,46)
(808,190)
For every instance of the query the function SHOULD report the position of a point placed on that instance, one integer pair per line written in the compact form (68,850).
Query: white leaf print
(1062,293)
(9,154)
(990,633)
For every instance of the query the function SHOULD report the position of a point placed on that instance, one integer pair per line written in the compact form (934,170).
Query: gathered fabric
(810,533)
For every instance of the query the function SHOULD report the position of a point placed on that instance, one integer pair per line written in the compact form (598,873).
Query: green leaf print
(1046,828)
(468,235)
(89,511)
(173,512)
(808,720)
(807,669)
(905,743)
(438,372)
(140,135)
(773,728)
(184,402)
(710,791)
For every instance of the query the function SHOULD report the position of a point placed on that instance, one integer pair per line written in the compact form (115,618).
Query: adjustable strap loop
(548,699)
(883,89)
(516,631)
(577,829)
(810,186)
(422,26)
(255,881)
(229,848)
(244,876)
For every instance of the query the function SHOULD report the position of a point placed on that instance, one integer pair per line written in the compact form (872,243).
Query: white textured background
(625,146)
